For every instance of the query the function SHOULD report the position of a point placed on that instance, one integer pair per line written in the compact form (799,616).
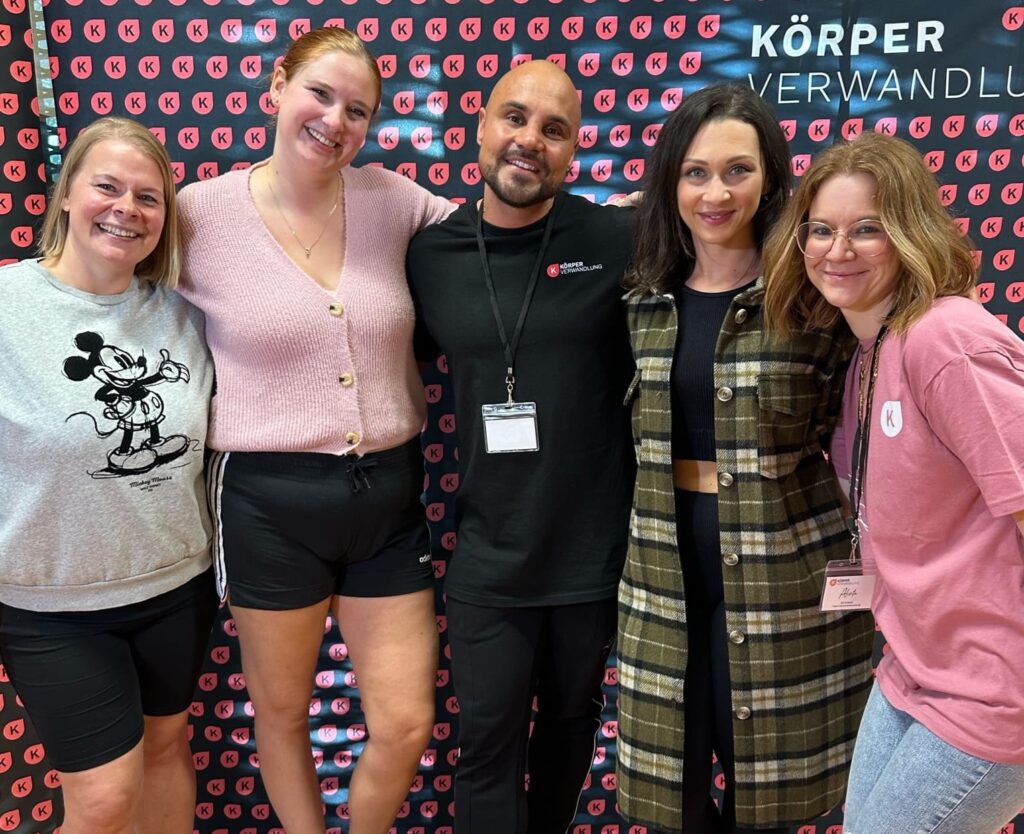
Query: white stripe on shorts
(214,488)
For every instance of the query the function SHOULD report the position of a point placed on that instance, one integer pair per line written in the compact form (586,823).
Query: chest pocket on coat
(786,404)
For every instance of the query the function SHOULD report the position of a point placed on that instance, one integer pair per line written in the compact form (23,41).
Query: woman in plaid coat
(722,647)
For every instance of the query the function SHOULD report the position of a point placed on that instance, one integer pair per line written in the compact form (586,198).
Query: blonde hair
(163,265)
(934,259)
(316,43)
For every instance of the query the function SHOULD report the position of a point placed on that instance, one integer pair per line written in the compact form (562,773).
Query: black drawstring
(357,469)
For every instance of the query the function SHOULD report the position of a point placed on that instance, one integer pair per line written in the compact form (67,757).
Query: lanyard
(858,475)
(511,346)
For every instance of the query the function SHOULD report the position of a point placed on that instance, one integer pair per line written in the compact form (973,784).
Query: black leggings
(707,697)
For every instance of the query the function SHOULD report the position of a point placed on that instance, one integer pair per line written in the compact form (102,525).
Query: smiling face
(527,135)
(324,111)
(118,368)
(721,180)
(861,287)
(116,207)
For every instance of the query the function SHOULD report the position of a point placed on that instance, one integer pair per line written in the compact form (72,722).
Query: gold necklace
(734,282)
(860,388)
(863,372)
(307,249)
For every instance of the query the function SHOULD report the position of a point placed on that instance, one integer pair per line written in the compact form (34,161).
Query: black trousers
(501,659)
(707,696)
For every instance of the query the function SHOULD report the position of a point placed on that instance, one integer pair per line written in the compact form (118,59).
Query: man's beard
(517,196)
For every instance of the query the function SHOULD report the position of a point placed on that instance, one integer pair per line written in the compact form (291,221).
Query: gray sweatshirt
(103,413)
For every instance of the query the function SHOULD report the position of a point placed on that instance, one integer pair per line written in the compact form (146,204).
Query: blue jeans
(905,780)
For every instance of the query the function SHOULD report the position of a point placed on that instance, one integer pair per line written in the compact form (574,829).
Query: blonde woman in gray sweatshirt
(106,598)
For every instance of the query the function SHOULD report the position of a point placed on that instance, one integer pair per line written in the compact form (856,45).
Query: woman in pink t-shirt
(932,441)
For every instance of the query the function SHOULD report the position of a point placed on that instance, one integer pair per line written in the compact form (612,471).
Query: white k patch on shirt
(891,417)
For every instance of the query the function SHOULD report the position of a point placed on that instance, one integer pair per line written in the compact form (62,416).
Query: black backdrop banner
(948,76)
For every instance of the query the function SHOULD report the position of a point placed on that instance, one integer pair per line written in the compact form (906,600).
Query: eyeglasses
(865,237)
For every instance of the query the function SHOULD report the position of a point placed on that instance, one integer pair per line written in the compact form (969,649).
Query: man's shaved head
(527,136)
(543,75)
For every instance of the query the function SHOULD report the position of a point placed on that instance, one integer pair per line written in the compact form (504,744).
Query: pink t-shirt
(945,473)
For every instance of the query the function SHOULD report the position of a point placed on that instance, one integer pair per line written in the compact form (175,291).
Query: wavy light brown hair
(163,265)
(662,243)
(316,43)
(935,260)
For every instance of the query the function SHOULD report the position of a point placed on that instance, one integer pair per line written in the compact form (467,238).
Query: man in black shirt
(522,292)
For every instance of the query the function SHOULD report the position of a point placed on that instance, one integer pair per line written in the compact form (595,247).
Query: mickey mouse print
(129,403)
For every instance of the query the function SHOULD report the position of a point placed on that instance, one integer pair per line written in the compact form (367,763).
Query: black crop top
(700,316)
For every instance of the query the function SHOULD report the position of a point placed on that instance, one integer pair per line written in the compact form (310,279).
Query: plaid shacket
(799,677)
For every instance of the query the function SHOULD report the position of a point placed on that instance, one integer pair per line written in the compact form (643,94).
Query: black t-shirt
(547,527)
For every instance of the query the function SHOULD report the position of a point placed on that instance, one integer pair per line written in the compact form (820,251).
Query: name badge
(510,427)
(847,587)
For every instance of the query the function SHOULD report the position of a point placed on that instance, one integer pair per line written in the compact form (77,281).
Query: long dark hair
(662,244)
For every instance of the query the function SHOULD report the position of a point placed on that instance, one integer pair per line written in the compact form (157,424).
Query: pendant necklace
(307,249)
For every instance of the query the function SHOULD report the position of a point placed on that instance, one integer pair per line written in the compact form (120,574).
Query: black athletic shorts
(87,678)
(293,528)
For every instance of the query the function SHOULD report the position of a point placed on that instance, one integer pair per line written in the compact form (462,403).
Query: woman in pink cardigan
(299,265)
